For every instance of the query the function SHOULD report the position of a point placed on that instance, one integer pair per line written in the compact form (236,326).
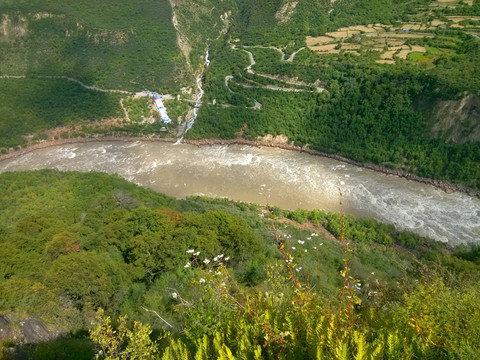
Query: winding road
(249,70)
(290,59)
(90,87)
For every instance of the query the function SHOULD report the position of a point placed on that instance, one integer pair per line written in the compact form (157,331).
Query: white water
(207,60)
(264,175)
(197,103)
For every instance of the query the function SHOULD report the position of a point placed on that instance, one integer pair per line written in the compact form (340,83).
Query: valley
(239,179)
(273,177)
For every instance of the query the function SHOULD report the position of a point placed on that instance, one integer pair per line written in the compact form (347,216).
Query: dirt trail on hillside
(90,87)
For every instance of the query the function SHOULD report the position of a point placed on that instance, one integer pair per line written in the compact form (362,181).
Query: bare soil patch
(350,46)
(402,54)
(324,48)
(318,40)
(437,22)
(385,61)
(457,19)
(388,54)
(343,34)
(413,26)
(417,48)
(269,138)
(285,13)
(10,29)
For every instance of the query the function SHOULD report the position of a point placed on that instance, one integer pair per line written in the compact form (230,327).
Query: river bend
(279,177)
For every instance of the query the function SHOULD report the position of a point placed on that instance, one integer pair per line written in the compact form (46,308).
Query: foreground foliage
(300,325)
(211,278)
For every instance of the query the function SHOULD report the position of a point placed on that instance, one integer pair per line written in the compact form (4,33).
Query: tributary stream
(272,176)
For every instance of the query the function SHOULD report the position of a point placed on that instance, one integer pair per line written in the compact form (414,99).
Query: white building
(162,110)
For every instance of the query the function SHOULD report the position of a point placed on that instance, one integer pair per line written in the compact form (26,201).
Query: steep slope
(457,120)
(112,44)
(73,243)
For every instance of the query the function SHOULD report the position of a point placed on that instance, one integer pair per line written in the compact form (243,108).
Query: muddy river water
(284,178)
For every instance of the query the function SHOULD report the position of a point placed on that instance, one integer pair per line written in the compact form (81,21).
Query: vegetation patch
(201,276)
(32,106)
(110,44)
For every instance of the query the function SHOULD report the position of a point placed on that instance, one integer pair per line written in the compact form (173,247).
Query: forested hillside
(94,266)
(112,44)
(346,98)
(389,82)
(215,277)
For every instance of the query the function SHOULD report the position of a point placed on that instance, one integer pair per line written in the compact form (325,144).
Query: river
(279,177)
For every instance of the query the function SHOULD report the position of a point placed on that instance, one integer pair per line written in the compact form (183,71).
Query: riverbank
(443,185)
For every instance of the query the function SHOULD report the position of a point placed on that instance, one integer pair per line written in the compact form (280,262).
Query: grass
(139,107)
(428,58)
(431,50)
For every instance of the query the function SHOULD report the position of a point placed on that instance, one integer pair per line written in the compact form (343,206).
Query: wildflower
(219,273)
(206,261)
(293,247)
(297,269)
(174,295)
(305,250)
(215,258)
(220,256)
(197,253)
(227,258)
(321,244)
(301,242)
(315,247)
(190,251)
(309,238)
(187,265)
(202,280)
(373,272)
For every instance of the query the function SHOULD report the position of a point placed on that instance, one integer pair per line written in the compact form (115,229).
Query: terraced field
(400,41)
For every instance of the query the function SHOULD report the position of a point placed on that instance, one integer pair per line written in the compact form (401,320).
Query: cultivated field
(396,41)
